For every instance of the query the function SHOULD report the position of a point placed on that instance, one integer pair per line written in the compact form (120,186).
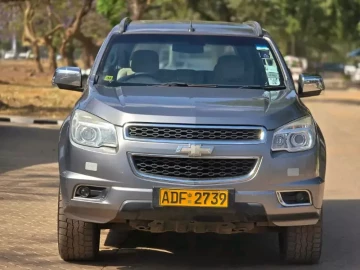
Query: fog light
(84,192)
(301,197)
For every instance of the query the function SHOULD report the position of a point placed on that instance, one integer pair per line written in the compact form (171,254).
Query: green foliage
(112,9)
(317,29)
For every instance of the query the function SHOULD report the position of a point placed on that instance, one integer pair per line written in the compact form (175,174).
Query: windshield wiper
(263,87)
(274,87)
(181,84)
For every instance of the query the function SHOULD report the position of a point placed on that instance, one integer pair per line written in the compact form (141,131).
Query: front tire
(301,244)
(77,240)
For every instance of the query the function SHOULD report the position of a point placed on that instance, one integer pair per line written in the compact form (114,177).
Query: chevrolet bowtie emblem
(195,150)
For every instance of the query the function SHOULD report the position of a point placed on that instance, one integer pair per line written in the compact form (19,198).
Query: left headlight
(298,135)
(90,130)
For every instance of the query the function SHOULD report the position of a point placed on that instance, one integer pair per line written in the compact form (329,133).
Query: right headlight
(90,130)
(295,136)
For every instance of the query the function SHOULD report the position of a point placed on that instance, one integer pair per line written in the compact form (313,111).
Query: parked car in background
(296,65)
(332,67)
(26,55)
(355,74)
(10,55)
(350,69)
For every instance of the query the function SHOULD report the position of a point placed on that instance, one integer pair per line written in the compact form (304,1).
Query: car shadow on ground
(186,251)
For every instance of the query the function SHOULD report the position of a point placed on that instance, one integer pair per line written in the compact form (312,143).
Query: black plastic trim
(294,217)
(256,27)
(124,23)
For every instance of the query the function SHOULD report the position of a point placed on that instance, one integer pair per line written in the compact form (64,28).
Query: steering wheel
(139,75)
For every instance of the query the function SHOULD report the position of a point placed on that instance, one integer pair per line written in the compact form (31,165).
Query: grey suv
(190,127)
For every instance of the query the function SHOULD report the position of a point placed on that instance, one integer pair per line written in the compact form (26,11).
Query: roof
(251,28)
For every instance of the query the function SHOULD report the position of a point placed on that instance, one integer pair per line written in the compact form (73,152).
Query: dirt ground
(25,92)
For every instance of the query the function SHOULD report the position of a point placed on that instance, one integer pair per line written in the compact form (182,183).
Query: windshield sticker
(108,78)
(259,47)
(269,63)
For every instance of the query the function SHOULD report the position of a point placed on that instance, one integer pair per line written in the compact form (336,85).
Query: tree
(212,10)
(71,31)
(11,23)
(114,10)
(34,39)
(315,29)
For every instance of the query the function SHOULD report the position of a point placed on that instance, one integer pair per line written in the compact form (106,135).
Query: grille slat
(194,133)
(190,168)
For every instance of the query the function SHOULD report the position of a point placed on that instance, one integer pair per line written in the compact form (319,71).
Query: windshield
(160,59)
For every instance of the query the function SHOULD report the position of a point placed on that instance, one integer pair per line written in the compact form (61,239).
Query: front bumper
(124,204)
(130,196)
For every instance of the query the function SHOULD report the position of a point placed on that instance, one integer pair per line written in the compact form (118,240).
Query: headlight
(89,130)
(295,136)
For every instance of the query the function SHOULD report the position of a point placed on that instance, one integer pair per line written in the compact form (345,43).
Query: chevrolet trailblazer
(190,127)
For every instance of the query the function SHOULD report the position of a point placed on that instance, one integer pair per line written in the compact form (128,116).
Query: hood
(193,105)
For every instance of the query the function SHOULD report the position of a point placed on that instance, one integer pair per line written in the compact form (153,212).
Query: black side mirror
(310,85)
(68,78)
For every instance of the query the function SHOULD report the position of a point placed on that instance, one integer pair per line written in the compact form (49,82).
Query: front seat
(230,69)
(142,61)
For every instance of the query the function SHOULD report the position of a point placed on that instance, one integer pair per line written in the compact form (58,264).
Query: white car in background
(354,73)
(26,55)
(296,65)
(10,55)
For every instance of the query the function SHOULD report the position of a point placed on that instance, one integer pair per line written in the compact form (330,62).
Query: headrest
(229,67)
(145,61)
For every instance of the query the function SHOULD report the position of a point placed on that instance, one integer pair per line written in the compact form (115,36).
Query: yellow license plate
(194,198)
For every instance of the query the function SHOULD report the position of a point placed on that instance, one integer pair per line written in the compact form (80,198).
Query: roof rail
(124,24)
(257,27)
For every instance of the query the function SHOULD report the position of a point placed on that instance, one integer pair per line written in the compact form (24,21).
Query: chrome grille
(194,133)
(193,168)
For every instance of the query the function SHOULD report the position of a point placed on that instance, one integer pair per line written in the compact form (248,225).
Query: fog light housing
(294,198)
(91,192)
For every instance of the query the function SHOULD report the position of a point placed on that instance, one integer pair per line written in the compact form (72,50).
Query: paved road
(28,190)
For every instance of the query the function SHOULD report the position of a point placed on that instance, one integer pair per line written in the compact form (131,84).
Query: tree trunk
(90,49)
(52,57)
(85,59)
(293,45)
(137,8)
(67,48)
(29,35)
(67,53)
(36,52)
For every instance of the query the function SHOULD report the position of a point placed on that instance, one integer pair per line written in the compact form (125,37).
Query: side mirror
(68,78)
(310,85)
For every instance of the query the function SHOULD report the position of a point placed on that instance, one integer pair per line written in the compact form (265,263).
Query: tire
(77,240)
(301,244)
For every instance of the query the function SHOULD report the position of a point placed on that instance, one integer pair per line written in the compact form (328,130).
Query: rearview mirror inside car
(68,78)
(310,85)
(188,48)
